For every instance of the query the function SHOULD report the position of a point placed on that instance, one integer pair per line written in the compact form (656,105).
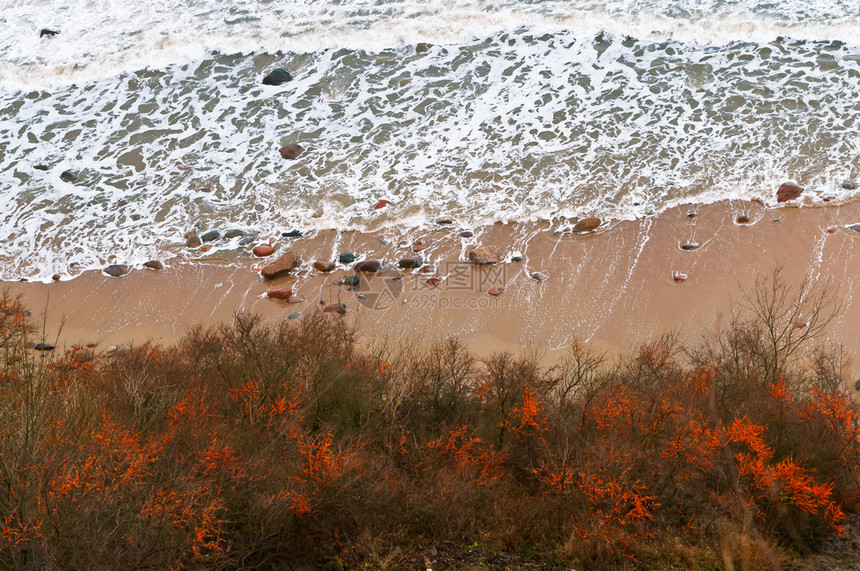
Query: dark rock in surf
(291,152)
(233,233)
(370,266)
(116,270)
(788,191)
(346,258)
(43,347)
(153,265)
(211,236)
(466,234)
(849,184)
(351,280)
(292,234)
(41,167)
(411,263)
(277,77)
(68,176)
(48,32)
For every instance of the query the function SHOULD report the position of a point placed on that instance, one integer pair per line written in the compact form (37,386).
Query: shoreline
(613,288)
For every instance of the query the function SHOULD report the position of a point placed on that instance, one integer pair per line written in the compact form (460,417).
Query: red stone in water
(679,277)
(434,281)
(830,229)
(263,250)
(496,291)
(381,204)
(282,294)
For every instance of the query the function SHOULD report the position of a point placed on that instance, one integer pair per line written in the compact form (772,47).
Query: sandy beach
(613,287)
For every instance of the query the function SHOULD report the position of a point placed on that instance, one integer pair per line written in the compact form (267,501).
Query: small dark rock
(692,214)
(233,233)
(68,176)
(690,246)
(211,236)
(135,217)
(788,191)
(192,240)
(411,263)
(247,239)
(41,167)
(48,32)
(294,316)
(352,288)
(743,219)
(351,280)
(324,266)
(540,276)
(849,184)
(55,277)
(854,228)
(466,234)
(516,258)
(43,347)
(116,270)
(445,221)
(282,266)
(263,250)
(370,266)
(153,265)
(277,77)
(484,256)
(291,152)
(587,224)
(346,258)
(292,234)
(434,281)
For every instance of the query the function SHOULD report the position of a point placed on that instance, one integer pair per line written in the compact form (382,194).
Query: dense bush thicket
(255,445)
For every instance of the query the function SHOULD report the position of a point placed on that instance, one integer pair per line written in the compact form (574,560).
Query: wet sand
(613,287)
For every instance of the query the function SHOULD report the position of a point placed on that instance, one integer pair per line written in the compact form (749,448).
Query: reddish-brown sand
(613,287)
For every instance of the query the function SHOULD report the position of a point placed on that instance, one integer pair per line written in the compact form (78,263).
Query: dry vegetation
(282,446)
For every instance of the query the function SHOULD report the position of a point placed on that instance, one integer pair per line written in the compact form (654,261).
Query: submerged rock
(68,176)
(192,240)
(849,184)
(466,234)
(788,191)
(116,270)
(277,77)
(324,266)
(587,224)
(351,280)
(282,266)
(291,152)
(854,228)
(211,236)
(411,263)
(48,32)
(540,276)
(346,258)
(294,315)
(381,204)
(743,219)
(484,256)
(338,308)
(153,265)
(292,234)
(233,233)
(370,266)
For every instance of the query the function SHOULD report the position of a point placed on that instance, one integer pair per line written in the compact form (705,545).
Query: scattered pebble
(153,265)
(324,266)
(587,224)
(540,276)
(346,258)
(277,77)
(849,184)
(116,270)
(800,325)
(263,250)
(830,229)
(679,277)
(434,281)
(788,191)
(466,234)
(43,347)
(381,204)
(496,291)
(742,219)
(294,315)
(291,152)
(292,234)
(690,246)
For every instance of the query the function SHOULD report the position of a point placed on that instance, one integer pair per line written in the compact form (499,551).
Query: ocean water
(478,110)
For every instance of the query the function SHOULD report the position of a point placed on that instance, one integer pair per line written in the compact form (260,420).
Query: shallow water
(479,111)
